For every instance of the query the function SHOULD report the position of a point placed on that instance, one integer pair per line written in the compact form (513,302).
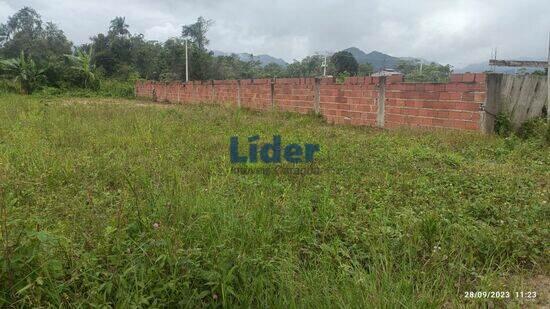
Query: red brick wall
(256,94)
(456,104)
(450,105)
(353,102)
(294,94)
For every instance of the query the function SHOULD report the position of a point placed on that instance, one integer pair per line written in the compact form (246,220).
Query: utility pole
(186,63)
(494,57)
(548,82)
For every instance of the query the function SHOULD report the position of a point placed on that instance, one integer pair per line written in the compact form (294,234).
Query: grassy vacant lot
(110,202)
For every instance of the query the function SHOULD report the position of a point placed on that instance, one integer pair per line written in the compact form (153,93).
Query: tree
(146,57)
(197,32)
(200,61)
(425,72)
(273,70)
(365,69)
(226,67)
(114,52)
(408,66)
(249,68)
(25,20)
(23,71)
(82,62)
(118,27)
(344,62)
(21,32)
(103,57)
(199,58)
(310,66)
(53,43)
(4,34)
(25,31)
(172,59)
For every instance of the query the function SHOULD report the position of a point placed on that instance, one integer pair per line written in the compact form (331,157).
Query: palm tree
(119,26)
(83,62)
(24,71)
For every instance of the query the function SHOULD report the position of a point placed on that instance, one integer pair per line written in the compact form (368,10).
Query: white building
(386,72)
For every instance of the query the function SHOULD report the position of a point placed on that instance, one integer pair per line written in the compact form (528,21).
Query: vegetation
(109,203)
(415,71)
(24,72)
(123,56)
(345,62)
(82,62)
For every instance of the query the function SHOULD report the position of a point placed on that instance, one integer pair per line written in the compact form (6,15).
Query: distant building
(386,72)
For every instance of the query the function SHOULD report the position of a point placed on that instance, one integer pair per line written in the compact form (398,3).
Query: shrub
(535,129)
(115,88)
(24,72)
(341,77)
(503,124)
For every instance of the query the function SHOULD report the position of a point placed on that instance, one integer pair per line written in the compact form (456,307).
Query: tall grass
(110,203)
(108,88)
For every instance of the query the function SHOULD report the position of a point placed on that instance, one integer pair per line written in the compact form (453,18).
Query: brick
(395,78)
(426,113)
(442,114)
(456,78)
(468,77)
(420,87)
(480,97)
(480,78)
(468,96)
(467,106)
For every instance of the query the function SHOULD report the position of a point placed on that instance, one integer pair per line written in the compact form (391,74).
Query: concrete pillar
(273,93)
(380,114)
(317,96)
(239,93)
(212,91)
(492,106)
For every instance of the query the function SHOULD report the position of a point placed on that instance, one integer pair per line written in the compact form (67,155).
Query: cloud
(161,33)
(5,11)
(458,32)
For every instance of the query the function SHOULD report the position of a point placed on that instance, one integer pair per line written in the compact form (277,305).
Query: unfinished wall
(372,101)
(523,97)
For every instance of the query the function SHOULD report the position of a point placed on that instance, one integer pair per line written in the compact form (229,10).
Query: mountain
(379,60)
(263,59)
(358,54)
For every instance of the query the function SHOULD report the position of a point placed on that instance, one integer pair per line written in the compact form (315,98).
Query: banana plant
(83,62)
(24,71)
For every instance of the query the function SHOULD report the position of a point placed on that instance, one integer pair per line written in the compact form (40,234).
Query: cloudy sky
(458,32)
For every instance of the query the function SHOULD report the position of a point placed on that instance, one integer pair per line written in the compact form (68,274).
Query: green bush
(503,124)
(116,89)
(105,88)
(535,129)
(341,77)
(77,79)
